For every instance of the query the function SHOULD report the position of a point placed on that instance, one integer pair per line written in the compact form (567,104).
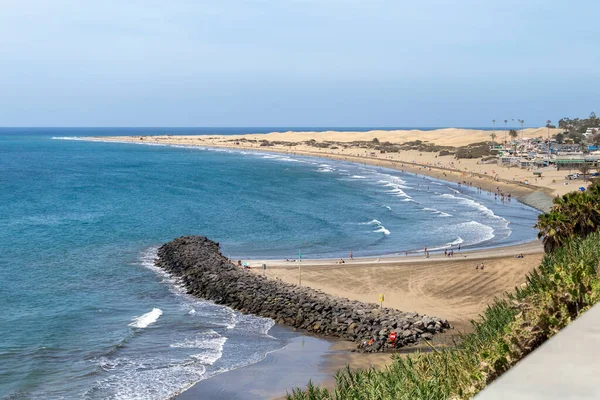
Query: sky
(297,63)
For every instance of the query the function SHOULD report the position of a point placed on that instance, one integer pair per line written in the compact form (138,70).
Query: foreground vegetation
(564,286)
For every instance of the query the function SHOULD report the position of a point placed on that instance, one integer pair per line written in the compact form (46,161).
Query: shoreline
(437,256)
(304,358)
(519,190)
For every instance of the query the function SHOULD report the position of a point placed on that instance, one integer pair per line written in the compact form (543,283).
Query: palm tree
(548,122)
(553,229)
(514,135)
(493,135)
(505,121)
(521,121)
(594,188)
(581,211)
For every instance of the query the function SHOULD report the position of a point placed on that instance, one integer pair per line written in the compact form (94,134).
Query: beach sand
(439,286)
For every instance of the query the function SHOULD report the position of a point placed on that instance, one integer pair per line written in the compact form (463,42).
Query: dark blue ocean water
(85,315)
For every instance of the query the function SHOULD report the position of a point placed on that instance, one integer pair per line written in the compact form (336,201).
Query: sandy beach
(440,286)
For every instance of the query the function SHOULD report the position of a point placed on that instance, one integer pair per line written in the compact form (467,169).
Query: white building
(591,131)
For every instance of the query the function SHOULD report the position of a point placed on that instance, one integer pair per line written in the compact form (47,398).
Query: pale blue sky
(297,62)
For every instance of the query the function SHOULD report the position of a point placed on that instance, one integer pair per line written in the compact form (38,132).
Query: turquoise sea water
(85,315)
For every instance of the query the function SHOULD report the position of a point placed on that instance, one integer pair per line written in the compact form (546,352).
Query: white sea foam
(228,317)
(396,185)
(325,169)
(67,138)
(140,381)
(438,212)
(388,207)
(372,222)
(483,232)
(383,230)
(468,233)
(358,177)
(388,177)
(473,204)
(379,225)
(455,242)
(211,344)
(481,209)
(147,319)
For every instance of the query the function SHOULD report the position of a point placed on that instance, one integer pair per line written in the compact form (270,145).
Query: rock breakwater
(206,273)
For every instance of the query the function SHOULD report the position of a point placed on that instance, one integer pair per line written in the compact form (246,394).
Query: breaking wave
(147,319)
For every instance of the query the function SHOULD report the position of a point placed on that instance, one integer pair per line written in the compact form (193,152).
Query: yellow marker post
(381,298)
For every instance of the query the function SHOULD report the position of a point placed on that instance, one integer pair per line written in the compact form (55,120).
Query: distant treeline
(579,125)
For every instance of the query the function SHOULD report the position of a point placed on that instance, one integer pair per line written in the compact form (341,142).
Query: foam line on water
(379,226)
(438,212)
(147,319)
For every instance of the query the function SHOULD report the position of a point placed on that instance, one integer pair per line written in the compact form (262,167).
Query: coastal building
(576,161)
(565,148)
(591,131)
(507,160)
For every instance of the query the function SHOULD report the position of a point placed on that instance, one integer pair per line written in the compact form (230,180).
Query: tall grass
(564,285)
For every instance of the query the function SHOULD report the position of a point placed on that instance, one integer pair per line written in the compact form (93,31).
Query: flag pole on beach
(299,269)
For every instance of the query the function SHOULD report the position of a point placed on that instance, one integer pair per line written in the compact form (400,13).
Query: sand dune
(444,137)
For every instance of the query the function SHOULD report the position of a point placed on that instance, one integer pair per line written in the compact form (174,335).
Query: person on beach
(351,256)
(445,252)
(482,266)
(459,247)
(476,267)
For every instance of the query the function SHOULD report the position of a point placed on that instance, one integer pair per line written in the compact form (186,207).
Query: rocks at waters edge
(207,274)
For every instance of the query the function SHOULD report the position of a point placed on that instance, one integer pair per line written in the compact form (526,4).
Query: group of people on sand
(245,265)
(449,253)
(520,256)
(480,266)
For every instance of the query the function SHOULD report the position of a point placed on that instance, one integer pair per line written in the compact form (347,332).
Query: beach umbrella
(582,189)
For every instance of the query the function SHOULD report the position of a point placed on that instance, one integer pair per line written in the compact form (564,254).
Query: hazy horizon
(297,63)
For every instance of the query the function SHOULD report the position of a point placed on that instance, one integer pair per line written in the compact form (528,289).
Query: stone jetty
(207,274)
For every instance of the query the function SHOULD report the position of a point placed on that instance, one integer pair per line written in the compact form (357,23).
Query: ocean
(86,315)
